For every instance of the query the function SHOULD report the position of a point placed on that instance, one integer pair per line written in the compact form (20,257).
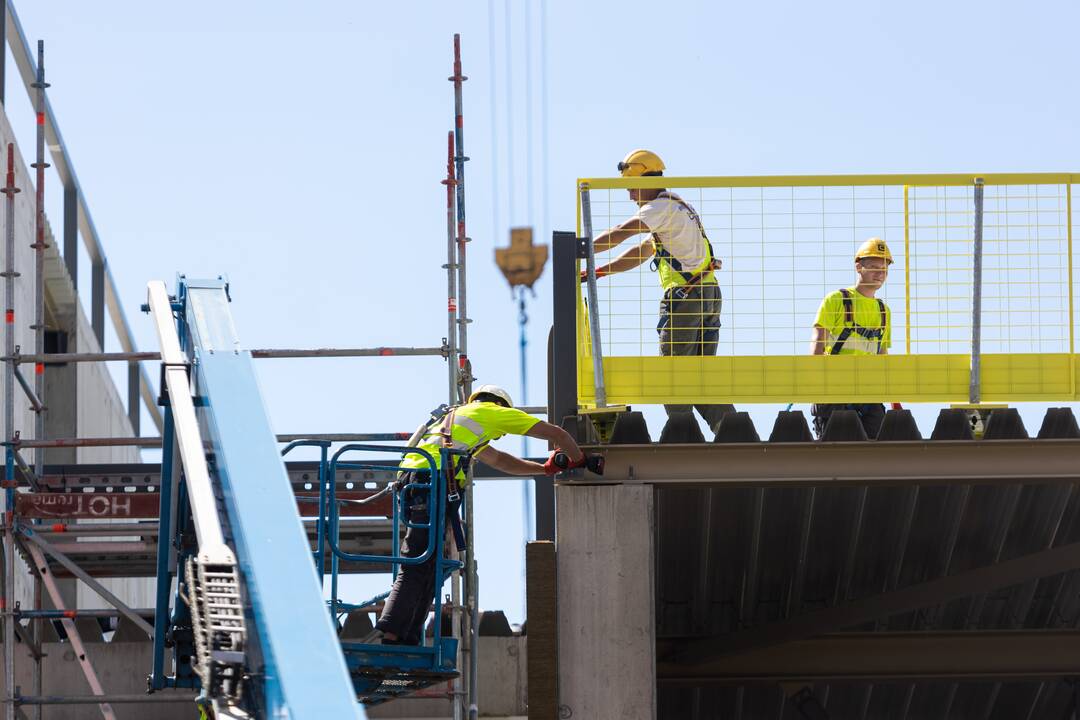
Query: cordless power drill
(560,461)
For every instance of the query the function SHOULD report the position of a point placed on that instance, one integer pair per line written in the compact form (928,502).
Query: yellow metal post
(1072,318)
(907,275)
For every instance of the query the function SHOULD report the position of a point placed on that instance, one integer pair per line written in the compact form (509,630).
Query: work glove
(550,466)
(599,274)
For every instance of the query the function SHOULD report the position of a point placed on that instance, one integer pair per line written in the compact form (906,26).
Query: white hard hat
(492,390)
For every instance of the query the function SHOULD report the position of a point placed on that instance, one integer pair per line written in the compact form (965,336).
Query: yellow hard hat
(874,247)
(641,162)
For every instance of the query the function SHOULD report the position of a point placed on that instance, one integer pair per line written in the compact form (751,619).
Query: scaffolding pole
(39,246)
(261,353)
(465,366)
(8,504)
(451,268)
(37,398)
(452,379)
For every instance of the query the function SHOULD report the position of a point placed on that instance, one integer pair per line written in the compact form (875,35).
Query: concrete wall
(500,685)
(604,556)
(122,668)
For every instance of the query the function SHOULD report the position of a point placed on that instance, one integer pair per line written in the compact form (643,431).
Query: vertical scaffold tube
(451,268)
(452,367)
(594,316)
(975,389)
(39,256)
(9,431)
(463,354)
(39,310)
(462,238)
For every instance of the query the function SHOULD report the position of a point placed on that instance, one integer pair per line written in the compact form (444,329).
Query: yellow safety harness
(851,327)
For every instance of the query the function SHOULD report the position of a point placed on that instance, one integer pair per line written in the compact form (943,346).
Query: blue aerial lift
(246,620)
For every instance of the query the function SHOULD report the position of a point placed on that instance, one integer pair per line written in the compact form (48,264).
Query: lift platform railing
(981,294)
(438,512)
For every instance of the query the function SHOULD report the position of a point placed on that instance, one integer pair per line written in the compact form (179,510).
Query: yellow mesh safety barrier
(786,242)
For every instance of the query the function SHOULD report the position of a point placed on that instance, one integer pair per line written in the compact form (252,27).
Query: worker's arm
(509,464)
(558,437)
(627,261)
(623,231)
(817,341)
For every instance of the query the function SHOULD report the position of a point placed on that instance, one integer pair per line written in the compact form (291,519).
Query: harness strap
(446,430)
(850,326)
(663,255)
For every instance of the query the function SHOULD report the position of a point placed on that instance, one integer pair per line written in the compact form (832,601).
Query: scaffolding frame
(141,393)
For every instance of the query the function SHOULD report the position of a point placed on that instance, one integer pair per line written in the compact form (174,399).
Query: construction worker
(684,261)
(488,415)
(853,321)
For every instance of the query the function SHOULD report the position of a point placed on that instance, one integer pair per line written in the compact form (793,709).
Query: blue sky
(299,151)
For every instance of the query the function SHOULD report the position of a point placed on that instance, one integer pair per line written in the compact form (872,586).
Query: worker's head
(491,393)
(641,163)
(872,261)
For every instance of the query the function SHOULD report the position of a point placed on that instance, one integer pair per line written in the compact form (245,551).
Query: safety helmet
(641,162)
(874,247)
(492,390)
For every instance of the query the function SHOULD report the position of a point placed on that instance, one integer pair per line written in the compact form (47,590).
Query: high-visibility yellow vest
(472,427)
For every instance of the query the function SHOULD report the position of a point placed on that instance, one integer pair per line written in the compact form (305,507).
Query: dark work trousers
(414,589)
(690,325)
(870,414)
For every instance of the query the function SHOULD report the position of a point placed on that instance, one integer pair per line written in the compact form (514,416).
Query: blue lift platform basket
(247,621)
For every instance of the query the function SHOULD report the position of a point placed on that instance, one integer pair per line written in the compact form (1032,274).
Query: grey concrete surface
(604,555)
(501,685)
(122,668)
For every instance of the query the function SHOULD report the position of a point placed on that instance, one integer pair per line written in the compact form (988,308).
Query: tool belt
(682,292)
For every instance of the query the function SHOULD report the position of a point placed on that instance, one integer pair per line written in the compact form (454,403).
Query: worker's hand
(550,468)
(600,272)
(573,452)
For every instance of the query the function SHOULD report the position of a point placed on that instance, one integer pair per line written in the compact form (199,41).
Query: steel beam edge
(838,463)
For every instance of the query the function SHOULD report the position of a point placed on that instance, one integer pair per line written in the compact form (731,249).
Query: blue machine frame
(300,671)
(296,666)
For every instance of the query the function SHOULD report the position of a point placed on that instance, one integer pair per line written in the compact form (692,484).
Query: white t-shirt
(677,230)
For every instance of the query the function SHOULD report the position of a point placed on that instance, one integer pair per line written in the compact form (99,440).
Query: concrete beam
(874,657)
(606,589)
(942,462)
(1026,568)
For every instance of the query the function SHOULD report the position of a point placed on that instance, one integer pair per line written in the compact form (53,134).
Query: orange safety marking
(39,368)
(70,614)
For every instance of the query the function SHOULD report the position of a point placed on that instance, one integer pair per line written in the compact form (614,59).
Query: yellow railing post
(907,274)
(1072,318)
